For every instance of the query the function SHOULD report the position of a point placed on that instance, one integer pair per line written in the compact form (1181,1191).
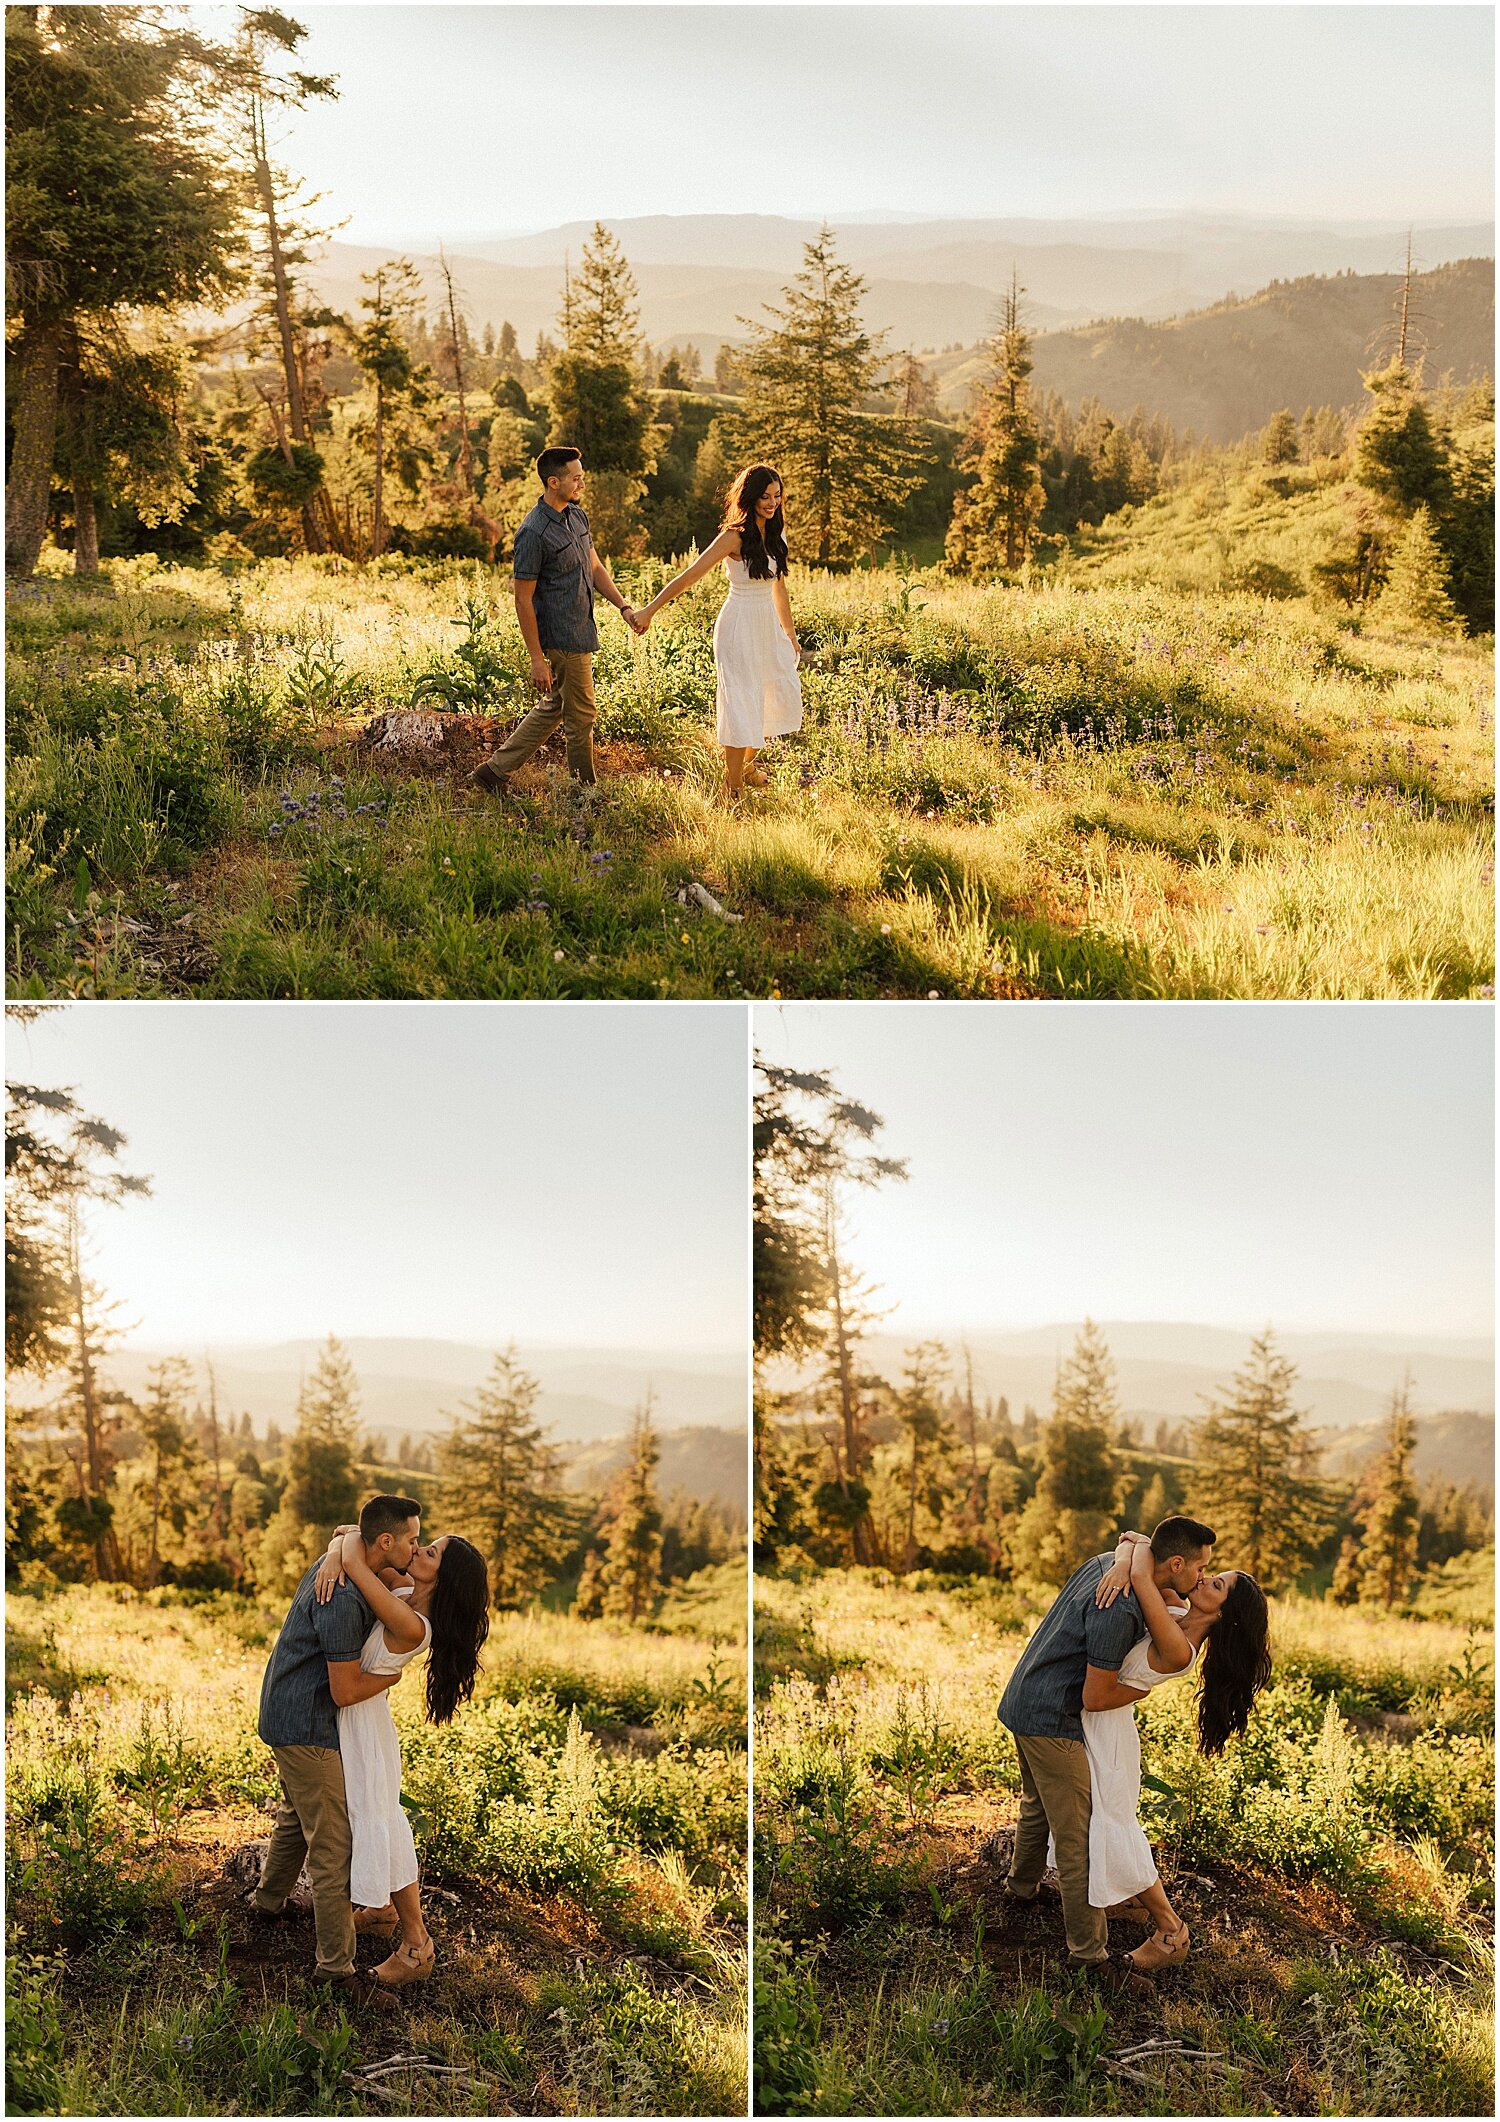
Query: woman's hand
(330,1573)
(1116,1579)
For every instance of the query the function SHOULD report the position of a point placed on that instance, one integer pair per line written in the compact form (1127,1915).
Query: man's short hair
(1180,1536)
(386,1514)
(555,459)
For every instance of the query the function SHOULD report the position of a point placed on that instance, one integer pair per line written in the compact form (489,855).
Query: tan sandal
(408,1963)
(377,1922)
(1160,1950)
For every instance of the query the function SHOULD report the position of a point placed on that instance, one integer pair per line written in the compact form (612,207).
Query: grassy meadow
(1121,778)
(1335,1870)
(581,1826)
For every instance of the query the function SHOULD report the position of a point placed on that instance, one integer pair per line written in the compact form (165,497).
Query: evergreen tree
(1397,456)
(279,324)
(1414,596)
(499,1476)
(395,428)
(162,1424)
(597,403)
(1281,443)
(1250,1480)
(1073,1512)
(322,1487)
(119,201)
(1390,1510)
(929,1439)
(807,375)
(995,518)
(631,1571)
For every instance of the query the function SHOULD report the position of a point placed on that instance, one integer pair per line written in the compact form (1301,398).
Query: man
(312,1674)
(1071,1664)
(556,573)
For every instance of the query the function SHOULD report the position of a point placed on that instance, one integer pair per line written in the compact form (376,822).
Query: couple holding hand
(557,572)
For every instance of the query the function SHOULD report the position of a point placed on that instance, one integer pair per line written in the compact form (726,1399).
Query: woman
(1228,1614)
(442,1605)
(755,643)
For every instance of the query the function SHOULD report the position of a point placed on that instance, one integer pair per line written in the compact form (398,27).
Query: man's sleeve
(526,563)
(1110,1631)
(341,1626)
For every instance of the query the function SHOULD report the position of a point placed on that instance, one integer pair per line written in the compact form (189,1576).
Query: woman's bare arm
(1116,1578)
(404,1628)
(725,547)
(782,600)
(1170,1650)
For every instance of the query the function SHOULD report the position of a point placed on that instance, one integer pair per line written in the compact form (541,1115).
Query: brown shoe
(356,1989)
(493,784)
(1116,1976)
(1161,1949)
(408,1963)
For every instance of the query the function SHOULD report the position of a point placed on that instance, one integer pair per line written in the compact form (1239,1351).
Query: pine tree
(395,429)
(499,1479)
(1397,455)
(162,1423)
(1249,1481)
(929,1438)
(1391,1511)
(1281,443)
(1414,596)
(994,519)
(322,1486)
(1072,1514)
(119,201)
(596,399)
(807,375)
(631,1571)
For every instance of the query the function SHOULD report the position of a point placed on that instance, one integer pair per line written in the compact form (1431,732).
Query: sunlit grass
(1074,787)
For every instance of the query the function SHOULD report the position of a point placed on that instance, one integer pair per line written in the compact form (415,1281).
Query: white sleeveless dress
(759,693)
(1120,1860)
(384,1857)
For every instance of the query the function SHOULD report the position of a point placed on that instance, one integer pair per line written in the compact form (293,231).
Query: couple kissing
(375,1601)
(1123,1625)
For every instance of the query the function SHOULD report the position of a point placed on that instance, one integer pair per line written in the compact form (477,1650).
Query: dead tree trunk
(90,1407)
(85,528)
(465,454)
(313,530)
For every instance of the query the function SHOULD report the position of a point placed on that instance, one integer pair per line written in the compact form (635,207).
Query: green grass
(1083,786)
(1335,1869)
(581,1826)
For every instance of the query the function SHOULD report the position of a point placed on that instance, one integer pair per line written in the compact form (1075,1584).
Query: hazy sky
(567,1176)
(1226,1165)
(1340,111)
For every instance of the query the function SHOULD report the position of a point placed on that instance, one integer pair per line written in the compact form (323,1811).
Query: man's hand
(637,621)
(541,674)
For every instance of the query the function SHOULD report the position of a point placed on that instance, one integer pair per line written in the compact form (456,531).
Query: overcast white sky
(563,1176)
(495,118)
(1314,1166)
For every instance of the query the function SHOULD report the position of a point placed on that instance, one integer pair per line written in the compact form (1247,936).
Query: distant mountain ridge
(416,1385)
(711,1465)
(1345,1381)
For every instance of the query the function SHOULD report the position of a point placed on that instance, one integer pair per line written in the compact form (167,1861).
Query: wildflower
(934,995)
(885,928)
(557,957)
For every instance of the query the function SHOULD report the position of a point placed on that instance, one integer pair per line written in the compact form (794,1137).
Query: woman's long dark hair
(460,1617)
(1236,1664)
(756,551)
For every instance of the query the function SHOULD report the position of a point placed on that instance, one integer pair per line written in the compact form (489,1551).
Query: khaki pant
(1056,1795)
(312,1822)
(569,701)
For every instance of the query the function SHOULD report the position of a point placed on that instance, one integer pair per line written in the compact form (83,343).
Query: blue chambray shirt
(296,1707)
(1045,1697)
(556,552)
